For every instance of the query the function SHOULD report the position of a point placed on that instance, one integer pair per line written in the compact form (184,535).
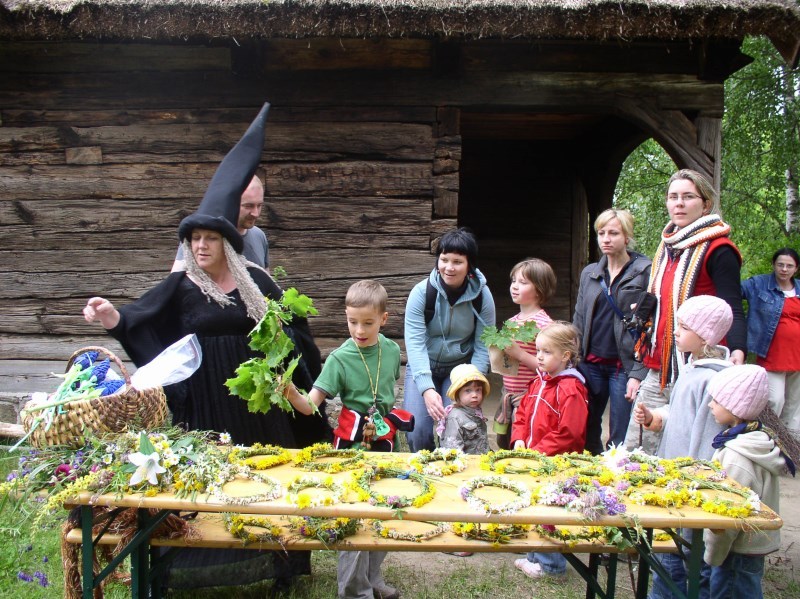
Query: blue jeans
(738,576)
(422,435)
(551,563)
(678,572)
(606,381)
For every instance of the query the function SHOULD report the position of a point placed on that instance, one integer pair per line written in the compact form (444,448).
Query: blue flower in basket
(86,359)
(110,387)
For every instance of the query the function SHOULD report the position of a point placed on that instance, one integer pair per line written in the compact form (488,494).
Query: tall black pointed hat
(219,208)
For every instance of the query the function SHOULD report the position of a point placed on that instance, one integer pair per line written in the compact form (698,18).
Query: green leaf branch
(510,332)
(262,380)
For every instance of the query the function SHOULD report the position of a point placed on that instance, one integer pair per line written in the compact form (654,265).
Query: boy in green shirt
(362,372)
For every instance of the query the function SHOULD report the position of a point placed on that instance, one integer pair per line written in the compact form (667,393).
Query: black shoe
(280,588)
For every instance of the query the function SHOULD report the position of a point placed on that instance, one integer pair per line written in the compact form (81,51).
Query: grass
(417,575)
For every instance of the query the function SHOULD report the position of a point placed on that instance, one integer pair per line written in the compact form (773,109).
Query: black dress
(222,333)
(174,308)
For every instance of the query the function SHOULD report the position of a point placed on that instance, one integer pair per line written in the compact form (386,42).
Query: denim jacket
(764,306)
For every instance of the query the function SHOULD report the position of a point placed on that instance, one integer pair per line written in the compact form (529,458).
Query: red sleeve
(522,417)
(570,435)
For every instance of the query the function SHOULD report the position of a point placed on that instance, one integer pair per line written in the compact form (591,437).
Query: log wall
(105,147)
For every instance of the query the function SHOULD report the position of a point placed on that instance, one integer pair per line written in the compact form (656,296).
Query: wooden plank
(377,140)
(14,285)
(165,238)
(322,54)
(55,348)
(75,117)
(559,91)
(91,57)
(155,181)
(367,215)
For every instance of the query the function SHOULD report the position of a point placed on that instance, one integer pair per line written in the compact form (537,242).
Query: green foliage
(508,333)
(261,381)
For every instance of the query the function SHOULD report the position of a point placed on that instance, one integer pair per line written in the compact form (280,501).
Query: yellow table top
(446,506)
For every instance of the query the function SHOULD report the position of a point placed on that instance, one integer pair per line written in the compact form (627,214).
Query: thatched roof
(204,20)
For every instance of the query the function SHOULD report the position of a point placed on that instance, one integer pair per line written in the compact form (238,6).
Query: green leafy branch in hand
(508,333)
(261,381)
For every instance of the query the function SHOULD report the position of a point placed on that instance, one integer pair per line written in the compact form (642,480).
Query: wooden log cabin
(391,122)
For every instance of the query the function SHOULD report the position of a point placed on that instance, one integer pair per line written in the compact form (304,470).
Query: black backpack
(430,302)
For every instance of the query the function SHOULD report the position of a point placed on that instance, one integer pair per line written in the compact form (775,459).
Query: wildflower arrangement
(387,532)
(425,462)
(326,530)
(347,459)
(131,462)
(363,478)
(591,500)
(522,491)
(496,534)
(273,489)
(301,499)
(241,526)
(571,536)
(540,463)
(259,457)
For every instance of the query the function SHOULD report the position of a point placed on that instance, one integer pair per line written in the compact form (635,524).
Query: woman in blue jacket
(445,316)
(773,328)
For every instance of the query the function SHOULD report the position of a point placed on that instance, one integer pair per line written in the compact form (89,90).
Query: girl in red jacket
(552,418)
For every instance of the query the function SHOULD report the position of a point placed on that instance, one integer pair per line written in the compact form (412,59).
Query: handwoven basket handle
(114,358)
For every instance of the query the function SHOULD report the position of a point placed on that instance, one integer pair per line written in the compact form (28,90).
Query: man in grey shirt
(256,246)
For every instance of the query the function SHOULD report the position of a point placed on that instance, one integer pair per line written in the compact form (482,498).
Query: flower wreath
(572,537)
(258,456)
(274,490)
(453,461)
(325,530)
(489,461)
(523,499)
(351,458)
(236,525)
(304,500)
(492,532)
(387,532)
(363,478)
(592,500)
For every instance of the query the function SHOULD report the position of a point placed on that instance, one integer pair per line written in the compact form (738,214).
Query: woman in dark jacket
(607,290)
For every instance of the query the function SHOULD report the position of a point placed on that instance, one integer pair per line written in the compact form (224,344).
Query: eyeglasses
(686,197)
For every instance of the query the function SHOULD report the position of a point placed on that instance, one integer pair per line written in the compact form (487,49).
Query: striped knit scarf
(689,246)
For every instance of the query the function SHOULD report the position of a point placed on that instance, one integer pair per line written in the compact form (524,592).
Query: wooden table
(447,506)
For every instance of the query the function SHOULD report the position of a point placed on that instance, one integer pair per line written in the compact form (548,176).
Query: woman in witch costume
(220,298)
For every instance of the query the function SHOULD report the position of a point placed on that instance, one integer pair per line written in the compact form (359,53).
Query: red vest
(703,286)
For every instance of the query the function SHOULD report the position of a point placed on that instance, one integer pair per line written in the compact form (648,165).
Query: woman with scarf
(695,257)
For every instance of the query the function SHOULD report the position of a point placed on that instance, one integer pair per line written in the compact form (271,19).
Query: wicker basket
(113,413)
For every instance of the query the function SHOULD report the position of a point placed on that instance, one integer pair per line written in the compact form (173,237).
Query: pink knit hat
(708,316)
(742,390)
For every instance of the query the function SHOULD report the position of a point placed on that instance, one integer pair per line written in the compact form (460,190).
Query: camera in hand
(645,307)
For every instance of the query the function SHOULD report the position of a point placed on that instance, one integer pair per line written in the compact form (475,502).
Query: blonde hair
(541,276)
(565,338)
(624,217)
(703,185)
(367,293)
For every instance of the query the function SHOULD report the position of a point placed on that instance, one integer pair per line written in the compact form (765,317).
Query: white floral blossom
(225,438)
(108,459)
(148,468)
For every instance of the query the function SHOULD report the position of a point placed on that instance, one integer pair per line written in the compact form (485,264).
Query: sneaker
(533,569)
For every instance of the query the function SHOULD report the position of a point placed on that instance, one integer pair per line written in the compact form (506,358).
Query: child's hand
(642,415)
(514,351)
